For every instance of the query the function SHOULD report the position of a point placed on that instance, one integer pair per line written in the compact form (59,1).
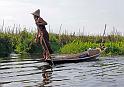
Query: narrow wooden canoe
(89,55)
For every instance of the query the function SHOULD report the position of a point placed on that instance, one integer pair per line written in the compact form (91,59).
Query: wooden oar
(42,38)
(48,51)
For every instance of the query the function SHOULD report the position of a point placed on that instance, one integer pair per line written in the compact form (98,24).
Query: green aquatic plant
(22,41)
(77,47)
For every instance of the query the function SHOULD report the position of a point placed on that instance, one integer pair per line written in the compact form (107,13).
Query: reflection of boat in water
(90,54)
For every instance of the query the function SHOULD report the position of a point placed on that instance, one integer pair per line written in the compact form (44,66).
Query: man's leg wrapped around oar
(44,40)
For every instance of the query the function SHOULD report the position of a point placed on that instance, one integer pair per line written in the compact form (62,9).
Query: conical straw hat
(37,12)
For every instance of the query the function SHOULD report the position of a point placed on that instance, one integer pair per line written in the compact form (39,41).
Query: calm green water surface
(27,71)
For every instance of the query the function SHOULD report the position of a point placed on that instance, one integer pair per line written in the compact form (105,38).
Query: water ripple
(107,72)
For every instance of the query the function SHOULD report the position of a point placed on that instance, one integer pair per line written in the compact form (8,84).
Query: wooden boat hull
(85,56)
(73,60)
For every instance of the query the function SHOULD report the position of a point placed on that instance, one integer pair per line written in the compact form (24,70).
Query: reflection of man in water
(46,74)
(46,77)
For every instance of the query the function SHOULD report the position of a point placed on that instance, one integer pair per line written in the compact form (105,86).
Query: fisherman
(42,34)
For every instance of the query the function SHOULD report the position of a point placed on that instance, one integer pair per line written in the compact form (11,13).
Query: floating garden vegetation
(23,42)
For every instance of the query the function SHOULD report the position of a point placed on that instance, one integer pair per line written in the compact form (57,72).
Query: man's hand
(37,23)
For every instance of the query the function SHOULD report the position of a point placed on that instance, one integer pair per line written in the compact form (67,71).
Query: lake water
(27,71)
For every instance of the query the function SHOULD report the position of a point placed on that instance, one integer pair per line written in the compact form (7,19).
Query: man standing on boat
(42,34)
